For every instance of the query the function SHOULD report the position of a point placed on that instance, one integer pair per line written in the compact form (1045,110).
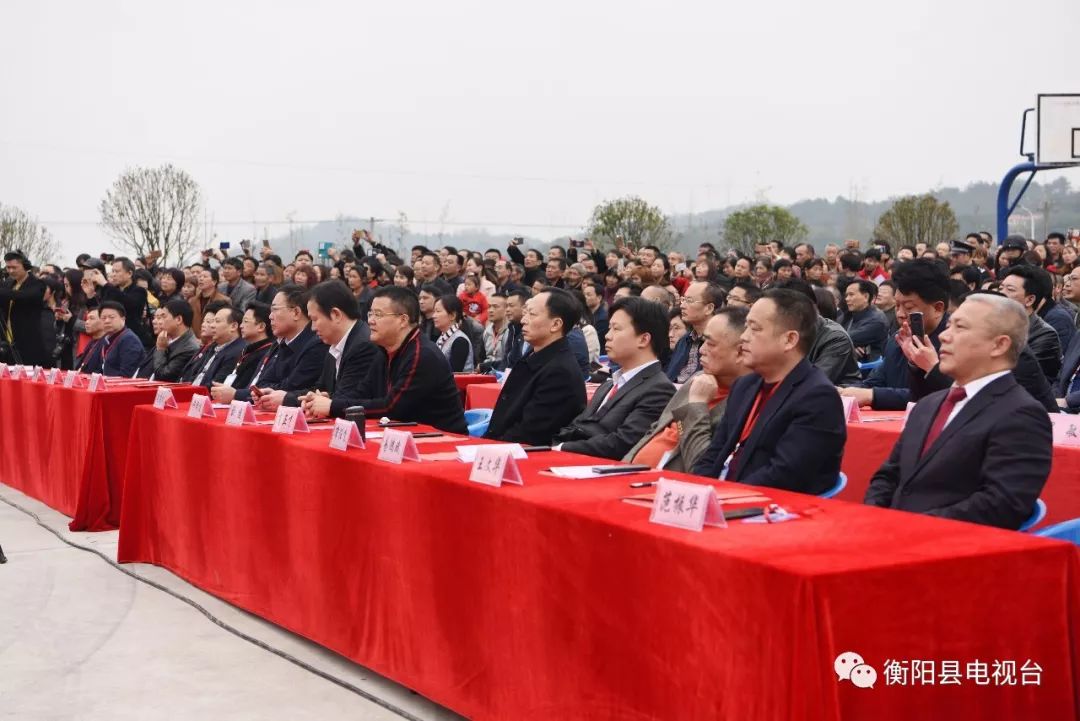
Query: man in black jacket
(784,426)
(228,346)
(335,318)
(1029,286)
(255,332)
(544,390)
(296,361)
(410,379)
(979,451)
(626,405)
(202,357)
(22,298)
(123,289)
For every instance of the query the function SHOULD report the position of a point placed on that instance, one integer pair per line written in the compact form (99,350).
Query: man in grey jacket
(239,291)
(176,344)
(685,427)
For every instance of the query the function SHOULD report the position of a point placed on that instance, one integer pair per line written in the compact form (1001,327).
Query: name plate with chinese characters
(240,414)
(345,435)
(201,407)
(851,409)
(495,465)
(398,446)
(164,398)
(289,420)
(73,379)
(1066,429)
(97,381)
(686,505)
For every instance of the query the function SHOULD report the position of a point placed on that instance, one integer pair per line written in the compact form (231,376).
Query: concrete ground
(80,639)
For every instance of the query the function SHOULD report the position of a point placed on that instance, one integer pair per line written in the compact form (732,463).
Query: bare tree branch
(18,231)
(153,209)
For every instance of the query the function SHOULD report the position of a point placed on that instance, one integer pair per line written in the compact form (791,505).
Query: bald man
(980,450)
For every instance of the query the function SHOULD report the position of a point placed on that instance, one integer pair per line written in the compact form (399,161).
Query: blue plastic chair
(841,484)
(477,420)
(1064,531)
(866,368)
(1036,516)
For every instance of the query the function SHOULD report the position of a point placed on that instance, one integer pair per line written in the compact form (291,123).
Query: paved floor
(79,639)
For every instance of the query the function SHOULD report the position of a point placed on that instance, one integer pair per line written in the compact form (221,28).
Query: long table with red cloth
(869,444)
(555,600)
(66,447)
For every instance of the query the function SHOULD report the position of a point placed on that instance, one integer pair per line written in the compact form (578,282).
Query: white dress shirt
(971,389)
(338,349)
(621,377)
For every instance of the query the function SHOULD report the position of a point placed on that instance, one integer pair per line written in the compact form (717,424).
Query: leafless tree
(154,209)
(18,231)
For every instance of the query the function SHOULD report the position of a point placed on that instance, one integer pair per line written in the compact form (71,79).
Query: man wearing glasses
(409,379)
(296,362)
(700,301)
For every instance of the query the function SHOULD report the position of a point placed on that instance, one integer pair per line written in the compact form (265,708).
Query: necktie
(955,396)
(615,385)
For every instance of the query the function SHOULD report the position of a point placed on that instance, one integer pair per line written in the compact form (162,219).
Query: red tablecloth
(66,447)
(554,600)
(869,444)
(465,381)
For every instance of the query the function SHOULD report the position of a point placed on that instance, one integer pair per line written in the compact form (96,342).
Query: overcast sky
(497,112)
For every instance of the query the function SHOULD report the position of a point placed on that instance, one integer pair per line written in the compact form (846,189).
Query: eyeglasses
(379,315)
(690,301)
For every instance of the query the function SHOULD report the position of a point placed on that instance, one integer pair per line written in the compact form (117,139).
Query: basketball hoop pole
(1004,210)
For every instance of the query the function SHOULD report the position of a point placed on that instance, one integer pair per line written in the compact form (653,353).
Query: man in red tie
(979,451)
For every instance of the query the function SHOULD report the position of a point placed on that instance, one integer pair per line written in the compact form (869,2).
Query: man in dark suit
(784,425)
(335,318)
(1067,386)
(979,451)
(623,408)
(22,298)
(198,362)
(410,379)
(296,363)
(90,360)
(228,345)
(124,290)
(123,351)
(255,332)
(544,390)
(175,344)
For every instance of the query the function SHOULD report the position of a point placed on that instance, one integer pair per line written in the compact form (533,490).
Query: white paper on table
(588,472)
(467,454)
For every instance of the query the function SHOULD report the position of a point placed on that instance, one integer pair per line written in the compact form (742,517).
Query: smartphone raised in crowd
(915,320)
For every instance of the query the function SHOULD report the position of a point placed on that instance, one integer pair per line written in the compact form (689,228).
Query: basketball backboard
(1058,134)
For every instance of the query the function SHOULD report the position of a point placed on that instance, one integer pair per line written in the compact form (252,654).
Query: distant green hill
(1054,205)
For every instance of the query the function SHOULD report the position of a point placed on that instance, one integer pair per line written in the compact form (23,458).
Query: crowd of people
(723,364)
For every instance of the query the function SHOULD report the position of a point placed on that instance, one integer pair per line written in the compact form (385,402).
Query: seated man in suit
(624,407)
(90,360)
(228,346)
(255,332)
(410,379)
(296,361)
(198,362)
(544,390)
(784,426)
(122,351)
(686,426)
(175,344)
(979,451)
(335,318)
